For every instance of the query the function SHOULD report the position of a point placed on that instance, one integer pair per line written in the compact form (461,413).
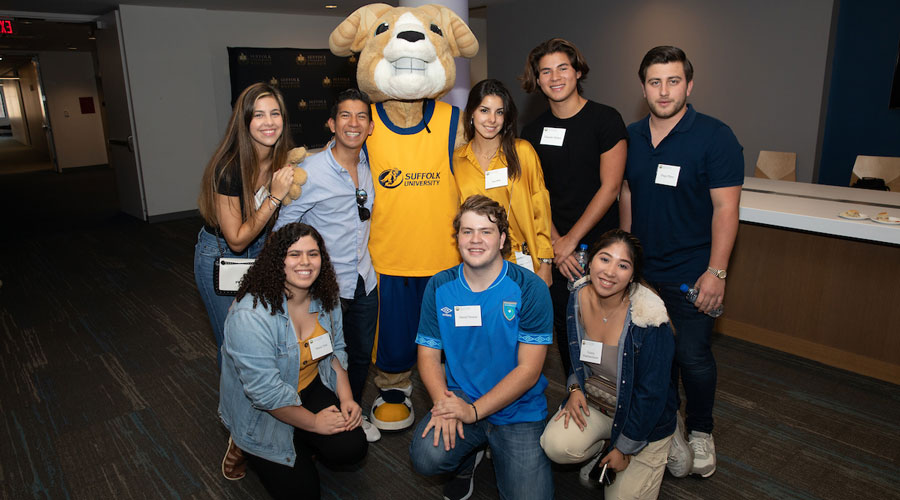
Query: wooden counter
(807,282)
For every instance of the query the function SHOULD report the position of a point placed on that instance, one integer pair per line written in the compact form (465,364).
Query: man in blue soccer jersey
(493,322)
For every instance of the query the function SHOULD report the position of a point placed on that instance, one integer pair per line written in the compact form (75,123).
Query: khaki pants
(640,480)
(644,474)
(572,445)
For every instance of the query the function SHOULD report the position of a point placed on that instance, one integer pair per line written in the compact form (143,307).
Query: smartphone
(603,472)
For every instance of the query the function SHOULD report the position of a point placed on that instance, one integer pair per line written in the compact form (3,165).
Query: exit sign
(6,27)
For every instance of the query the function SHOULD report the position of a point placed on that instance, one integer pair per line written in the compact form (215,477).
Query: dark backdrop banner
(310,79)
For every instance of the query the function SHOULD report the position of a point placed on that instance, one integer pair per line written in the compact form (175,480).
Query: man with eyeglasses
(337,201)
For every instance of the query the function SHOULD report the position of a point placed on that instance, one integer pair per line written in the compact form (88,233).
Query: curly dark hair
(265,279)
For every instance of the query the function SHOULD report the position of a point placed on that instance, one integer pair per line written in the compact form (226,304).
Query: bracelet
(275,201)
(476,411)
(546,261)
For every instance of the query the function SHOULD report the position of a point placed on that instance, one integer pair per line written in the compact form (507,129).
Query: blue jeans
(205,253)
(360,315)
(522,469)
(694,360)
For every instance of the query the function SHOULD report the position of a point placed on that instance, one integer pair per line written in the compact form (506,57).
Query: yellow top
(525,199)
(415,193)
(309,368)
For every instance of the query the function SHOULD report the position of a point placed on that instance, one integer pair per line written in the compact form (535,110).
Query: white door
(121,140)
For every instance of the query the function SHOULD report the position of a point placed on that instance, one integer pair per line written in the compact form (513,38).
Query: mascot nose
(411,36)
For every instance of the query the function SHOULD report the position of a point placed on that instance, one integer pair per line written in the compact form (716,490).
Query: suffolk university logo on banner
(310,80)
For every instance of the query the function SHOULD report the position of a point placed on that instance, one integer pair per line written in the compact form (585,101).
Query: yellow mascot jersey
(415,193)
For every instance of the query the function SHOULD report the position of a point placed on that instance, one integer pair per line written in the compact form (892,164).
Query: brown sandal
(234,463)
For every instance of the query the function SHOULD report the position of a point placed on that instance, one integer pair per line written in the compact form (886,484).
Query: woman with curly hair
(243,185)
(284,391)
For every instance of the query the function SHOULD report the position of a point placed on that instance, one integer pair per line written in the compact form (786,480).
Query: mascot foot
(393,410)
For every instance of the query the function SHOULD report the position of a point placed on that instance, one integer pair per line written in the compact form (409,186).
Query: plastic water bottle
(581,257)
(691,295)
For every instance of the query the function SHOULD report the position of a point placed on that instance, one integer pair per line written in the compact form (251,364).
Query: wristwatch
(718,273)
(574,387)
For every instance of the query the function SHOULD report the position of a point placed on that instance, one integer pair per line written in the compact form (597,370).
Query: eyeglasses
(361,198)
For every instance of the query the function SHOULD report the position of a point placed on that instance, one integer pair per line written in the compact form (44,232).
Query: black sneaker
(462,486)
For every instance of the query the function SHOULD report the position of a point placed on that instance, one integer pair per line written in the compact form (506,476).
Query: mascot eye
(434,28)
(381,29)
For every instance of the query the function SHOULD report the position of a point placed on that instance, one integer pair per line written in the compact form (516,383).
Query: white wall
(33,109)
(479,64)
(68,76)
(758,66)
(178,69)
(14,111)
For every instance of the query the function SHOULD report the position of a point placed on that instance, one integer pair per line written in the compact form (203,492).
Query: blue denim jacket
(260,368)
(646,397)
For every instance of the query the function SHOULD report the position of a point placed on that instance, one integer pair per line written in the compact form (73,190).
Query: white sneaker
(584,475)
(681,456)
(704,453)
(372,432)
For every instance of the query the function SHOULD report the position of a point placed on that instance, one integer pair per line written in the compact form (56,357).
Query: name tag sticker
(667,175)
(553,136)
(525,261)
(591,351)
(467,315)
(496,178)
(320,346)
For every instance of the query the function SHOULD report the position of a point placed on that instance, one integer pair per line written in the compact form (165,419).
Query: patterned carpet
(110,386)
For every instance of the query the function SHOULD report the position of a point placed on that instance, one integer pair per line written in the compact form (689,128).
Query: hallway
(17,158)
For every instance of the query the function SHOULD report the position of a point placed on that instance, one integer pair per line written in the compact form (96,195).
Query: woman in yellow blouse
(496,164)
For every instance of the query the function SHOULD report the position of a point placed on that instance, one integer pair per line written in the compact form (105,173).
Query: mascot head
(405,53)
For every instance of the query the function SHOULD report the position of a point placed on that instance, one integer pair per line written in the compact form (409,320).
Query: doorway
(25,140)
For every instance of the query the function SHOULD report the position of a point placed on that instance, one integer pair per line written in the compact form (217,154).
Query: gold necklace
(614,311)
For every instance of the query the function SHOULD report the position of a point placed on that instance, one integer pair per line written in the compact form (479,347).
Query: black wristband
(476,411)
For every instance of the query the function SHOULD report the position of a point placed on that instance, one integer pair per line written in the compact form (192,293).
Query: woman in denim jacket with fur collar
(633,319)
(284,392)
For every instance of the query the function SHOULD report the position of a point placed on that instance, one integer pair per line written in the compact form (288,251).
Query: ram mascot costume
(405,65)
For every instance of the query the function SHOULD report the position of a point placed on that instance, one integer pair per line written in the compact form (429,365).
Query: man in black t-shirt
(582,147)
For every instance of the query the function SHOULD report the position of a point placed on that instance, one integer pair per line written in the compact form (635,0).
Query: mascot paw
(296,156)
(393,410)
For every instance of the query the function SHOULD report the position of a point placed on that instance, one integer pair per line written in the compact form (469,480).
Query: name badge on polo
(320,346)
(553,136)
(667,175)
(496,178)
(467,315)
(591,351)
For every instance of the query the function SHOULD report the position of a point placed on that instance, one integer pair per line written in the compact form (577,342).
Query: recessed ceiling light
(72,48)
(331,6)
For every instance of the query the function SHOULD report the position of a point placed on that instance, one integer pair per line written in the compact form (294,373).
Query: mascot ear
(351,35)
(461,39)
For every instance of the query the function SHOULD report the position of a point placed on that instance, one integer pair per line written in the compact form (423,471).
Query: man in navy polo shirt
(681,195)
(493,322)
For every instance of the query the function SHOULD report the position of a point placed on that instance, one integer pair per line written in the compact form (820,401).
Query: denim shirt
(646,391)
(260,368)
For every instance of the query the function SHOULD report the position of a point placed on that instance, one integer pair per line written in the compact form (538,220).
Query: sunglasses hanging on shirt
(361,198)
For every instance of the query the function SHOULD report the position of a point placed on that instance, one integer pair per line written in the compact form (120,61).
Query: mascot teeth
(409,65)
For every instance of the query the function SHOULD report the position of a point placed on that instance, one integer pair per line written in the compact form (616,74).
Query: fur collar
(647,308)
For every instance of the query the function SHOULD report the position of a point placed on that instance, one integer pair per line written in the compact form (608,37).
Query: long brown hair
(481,90)
(236,155)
